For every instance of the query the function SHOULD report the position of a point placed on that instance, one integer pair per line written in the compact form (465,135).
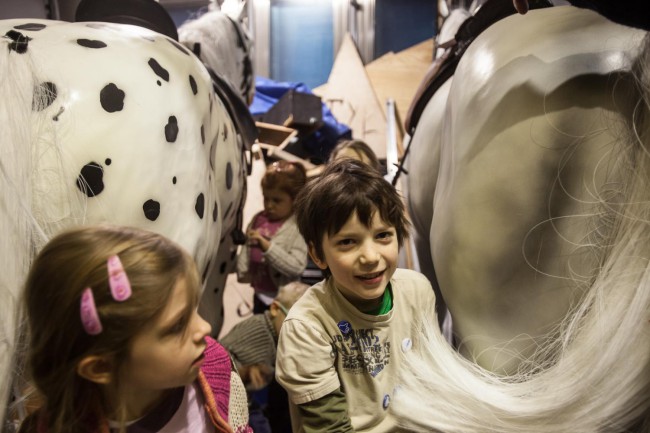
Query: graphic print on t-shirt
(361,351)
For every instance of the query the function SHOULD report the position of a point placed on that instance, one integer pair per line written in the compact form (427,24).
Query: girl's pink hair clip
(88,312)
(117,279)
(120,290)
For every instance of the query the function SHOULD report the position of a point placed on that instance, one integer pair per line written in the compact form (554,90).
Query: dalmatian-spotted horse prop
(105,122)
(537,223)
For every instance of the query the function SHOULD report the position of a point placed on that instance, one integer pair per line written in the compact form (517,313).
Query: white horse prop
(538,228)
(111,123)
(223,43)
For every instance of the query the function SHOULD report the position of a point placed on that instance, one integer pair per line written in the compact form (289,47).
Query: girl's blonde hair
(361,148)
(69,263)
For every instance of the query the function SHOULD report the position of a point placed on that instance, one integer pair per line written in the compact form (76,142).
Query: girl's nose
(201,328)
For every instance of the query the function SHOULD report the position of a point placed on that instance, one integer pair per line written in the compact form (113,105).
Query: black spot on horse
(44,95)
(225,132)
(91,43)
(247,81)
(181,48)
(216,290)
(91,179)
(195,90)
(222,268)
(112,98)
(202,135)
(158,70)
(227,211)
(200,205)
(34,27)
(229,175)
(196,49)
(233,255)
(151,209)
(171,129)
(215,212)
(19,42)
(174,180)
(107,161)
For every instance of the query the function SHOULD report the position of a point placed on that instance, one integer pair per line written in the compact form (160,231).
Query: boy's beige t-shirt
(326,343)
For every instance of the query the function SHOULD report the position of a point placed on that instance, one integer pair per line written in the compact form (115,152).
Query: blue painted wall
(404,23)
(302,41)
(302,34)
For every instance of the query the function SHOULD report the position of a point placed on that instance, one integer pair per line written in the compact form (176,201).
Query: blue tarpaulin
(322,141)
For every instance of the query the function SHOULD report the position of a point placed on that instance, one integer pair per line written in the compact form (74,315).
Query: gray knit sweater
(252,341)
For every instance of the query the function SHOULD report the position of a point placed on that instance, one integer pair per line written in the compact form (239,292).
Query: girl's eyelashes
(385,235)
(177,328)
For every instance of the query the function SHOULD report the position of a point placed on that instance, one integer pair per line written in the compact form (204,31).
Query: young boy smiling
(341,344)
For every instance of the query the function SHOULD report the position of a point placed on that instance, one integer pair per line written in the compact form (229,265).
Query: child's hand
(255,238)
(256,376)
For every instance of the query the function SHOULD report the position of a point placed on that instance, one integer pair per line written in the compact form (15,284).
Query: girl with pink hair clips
(116,343)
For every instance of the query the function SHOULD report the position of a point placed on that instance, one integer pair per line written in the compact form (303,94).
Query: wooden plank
(275,135)
(351,98)
(398,75)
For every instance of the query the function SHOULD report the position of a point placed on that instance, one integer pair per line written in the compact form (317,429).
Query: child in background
(275,253)
(252,344)
(116,340)
(356,149)
(341,345)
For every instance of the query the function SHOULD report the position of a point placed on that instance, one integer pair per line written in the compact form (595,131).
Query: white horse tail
(20,235)
(593,375)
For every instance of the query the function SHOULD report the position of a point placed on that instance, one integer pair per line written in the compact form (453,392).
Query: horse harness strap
(445,66)
(236,107)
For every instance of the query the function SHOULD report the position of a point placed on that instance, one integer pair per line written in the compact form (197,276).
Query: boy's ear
(273,309)
(96,368)
(314,257)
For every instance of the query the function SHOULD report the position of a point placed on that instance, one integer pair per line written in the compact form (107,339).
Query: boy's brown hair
(345,186)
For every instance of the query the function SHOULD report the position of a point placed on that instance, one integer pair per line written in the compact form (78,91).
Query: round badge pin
(344,327)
